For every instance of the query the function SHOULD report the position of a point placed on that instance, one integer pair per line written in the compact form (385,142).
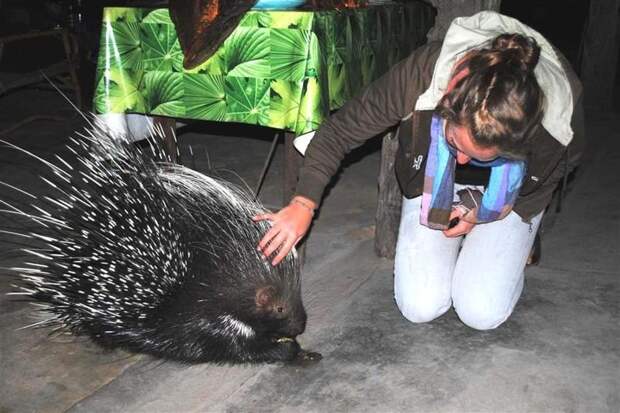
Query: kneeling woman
(483,141)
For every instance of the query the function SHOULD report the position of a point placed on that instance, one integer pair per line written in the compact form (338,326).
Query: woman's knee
(419,308)
(481,312)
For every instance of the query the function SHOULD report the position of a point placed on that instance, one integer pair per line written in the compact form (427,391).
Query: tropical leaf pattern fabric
(281,69)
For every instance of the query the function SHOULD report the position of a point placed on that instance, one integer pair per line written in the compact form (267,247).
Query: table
(281,69)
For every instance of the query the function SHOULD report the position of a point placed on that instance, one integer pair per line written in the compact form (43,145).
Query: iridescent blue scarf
(499,196)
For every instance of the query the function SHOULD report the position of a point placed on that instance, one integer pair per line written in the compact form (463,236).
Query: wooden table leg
(387,218)
(169,126)
(292,164)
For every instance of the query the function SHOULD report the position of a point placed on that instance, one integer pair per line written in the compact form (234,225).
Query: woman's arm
(380,106)
(383,104)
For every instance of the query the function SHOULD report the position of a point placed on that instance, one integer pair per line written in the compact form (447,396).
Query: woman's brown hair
(498,97)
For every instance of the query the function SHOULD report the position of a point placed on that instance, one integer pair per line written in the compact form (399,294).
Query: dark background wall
(586,32)
(561,22)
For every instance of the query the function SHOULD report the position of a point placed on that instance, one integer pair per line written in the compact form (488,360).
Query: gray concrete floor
(559,352)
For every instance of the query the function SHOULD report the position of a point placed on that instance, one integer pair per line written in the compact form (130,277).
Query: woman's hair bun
(518,49)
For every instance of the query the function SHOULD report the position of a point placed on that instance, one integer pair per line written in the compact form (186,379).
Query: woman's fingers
(267,239)
(277,243)
(456,213)
(263,217)
(462,228)
(284,250)
(287,226)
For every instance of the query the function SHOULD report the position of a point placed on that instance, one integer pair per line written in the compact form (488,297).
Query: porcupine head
(239,308)
(231,304)
(159,259)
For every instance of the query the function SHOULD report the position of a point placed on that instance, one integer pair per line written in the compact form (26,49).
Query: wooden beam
(600,54)
(387,218)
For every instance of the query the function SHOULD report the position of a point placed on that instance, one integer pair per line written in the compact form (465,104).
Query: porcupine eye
(279,310)
(268,301)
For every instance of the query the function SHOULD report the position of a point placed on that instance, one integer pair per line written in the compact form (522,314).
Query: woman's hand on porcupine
(288,226)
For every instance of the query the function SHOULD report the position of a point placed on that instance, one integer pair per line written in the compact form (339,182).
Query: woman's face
(460,140)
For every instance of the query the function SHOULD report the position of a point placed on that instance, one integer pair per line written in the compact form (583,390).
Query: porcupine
(155,258)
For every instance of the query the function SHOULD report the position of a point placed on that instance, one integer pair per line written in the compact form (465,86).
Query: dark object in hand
(454,222)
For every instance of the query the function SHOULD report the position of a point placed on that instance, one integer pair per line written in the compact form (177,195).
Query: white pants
(481,274)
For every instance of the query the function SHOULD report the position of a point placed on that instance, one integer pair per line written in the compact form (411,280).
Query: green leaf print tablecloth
(281,69)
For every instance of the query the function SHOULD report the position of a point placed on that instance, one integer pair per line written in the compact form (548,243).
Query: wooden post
(600,54)
(292,163)
(387,218)
(169,126)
